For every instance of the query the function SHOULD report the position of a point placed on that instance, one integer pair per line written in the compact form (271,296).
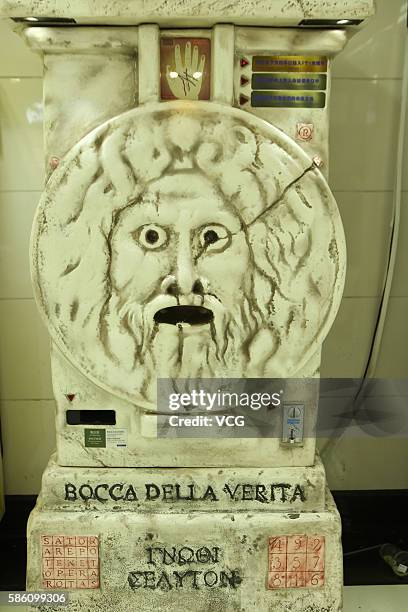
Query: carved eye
(151,236)
(214,238)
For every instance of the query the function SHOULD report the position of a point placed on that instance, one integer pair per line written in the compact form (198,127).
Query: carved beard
(178,351)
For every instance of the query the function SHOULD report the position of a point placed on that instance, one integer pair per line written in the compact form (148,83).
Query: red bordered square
(296,561)
(70,562)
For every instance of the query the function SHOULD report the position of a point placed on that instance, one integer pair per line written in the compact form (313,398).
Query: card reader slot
(91,417)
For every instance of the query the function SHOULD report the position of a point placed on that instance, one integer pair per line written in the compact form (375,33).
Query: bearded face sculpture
(187,242)
(193,252)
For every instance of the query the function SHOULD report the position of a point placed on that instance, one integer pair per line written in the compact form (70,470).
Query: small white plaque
(116,438)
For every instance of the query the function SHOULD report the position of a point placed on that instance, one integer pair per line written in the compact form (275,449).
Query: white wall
(365,108)
(364,125)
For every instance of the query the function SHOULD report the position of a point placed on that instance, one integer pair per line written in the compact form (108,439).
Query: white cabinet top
(190,12)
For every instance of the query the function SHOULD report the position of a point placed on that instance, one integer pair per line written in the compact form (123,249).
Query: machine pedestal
(178,539)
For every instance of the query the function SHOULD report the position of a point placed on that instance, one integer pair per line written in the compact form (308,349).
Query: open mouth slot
(194,315)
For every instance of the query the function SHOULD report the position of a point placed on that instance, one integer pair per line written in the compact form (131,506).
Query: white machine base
(227,551)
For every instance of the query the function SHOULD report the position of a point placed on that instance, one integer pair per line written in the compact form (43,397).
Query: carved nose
(198,287)
(173,289)
(170,286)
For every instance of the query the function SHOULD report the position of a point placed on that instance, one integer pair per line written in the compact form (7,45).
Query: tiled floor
(376,598)
(371,598)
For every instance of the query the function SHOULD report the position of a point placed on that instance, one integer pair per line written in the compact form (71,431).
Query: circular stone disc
(187,240)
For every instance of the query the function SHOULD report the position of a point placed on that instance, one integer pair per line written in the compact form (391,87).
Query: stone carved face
(187,241)
(184,244)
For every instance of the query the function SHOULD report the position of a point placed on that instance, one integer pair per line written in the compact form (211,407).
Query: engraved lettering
(277,493)
(70,492)
(152,491)
(112,493)
(82,494)
(260,491)
(298,493)
(231,493)
(209,494)
(97,496)
(130,494)
(166,580)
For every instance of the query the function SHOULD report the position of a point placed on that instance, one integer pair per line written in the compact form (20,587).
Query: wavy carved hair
(290,219)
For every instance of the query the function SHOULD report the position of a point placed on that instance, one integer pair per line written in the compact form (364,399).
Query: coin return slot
(91,417)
